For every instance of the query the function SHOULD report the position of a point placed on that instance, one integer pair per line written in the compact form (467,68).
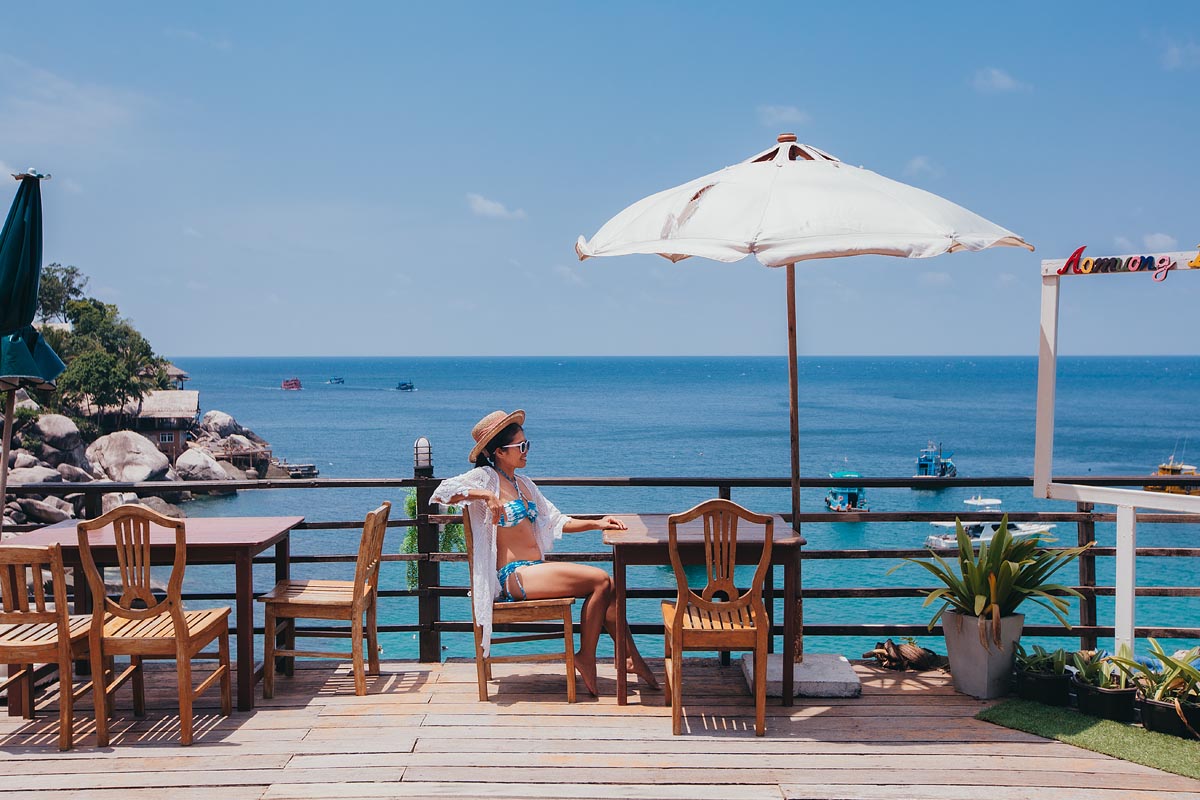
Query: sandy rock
(73,474)
(197,465)
(252,475)
(238,442)
(43,511)
(61,442)
(16,517)
(232,472)
(128,456)
(163,507)
(113,499)
(25,401)
(34,475)
(220,424)
(23,459)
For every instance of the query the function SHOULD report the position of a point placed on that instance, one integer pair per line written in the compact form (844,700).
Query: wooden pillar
(1087,577)
(428,571)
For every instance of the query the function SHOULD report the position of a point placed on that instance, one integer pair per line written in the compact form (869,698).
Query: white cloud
(1180,55)
(934,279)
(772,116)
(1124,244)
(571,276)
(1159,241)
(991,79)
(922,165)
(216,43)
(483,207)
(6,170)
(192,233)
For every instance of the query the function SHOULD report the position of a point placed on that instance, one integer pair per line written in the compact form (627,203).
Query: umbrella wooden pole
(10,405)
(794,406)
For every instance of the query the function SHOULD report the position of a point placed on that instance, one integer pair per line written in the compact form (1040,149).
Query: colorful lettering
(1086,266)
(1073,262)
(1195,262)
(1147,263)
(1133,264)
(1164,265)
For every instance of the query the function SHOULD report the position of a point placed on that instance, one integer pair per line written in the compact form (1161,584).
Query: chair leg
(372,638)
(356,655)
(760,687)
(569,637)
(677,691)
(100,693)
(66,706)
(289,643)
(27,688)
(667,665)
(139,686)
(227,675)
(481,666)
(184,669)
(268,652)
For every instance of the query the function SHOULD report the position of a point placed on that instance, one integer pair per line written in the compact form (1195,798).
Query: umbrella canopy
(789,203)
(25,358)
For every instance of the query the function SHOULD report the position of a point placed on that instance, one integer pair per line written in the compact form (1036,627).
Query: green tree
(94,374)
(59,285)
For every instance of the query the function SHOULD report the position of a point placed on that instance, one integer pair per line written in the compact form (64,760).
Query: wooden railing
(429,624)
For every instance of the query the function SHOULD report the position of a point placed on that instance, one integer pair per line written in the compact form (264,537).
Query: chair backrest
(721,518)
(23,568)
(133,527)
(370,550)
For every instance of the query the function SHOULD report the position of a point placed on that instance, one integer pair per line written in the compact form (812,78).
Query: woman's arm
(573,525)
(473,486)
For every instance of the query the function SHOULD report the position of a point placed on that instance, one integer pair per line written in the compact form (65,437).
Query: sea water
(715,417)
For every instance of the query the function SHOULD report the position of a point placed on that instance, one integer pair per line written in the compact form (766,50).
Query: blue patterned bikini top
(517,510)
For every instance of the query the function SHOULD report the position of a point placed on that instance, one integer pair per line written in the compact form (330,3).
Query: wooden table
(646,542)
(210,540)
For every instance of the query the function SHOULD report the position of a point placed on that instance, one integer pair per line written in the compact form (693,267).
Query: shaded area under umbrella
(26,360)
(794,202)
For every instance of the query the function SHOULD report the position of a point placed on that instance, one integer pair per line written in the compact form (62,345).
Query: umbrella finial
(786,137)
(32,173)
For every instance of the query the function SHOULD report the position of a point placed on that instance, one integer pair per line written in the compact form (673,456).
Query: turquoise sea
(718,416)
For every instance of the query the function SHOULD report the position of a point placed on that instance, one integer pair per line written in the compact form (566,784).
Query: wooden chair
(334,600)
(45,633)
(700,622)
(140,625)
(553,609)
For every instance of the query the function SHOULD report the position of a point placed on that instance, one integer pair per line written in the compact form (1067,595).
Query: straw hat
(489,426)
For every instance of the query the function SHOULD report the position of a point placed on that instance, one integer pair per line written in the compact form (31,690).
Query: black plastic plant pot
(1043,687)
(1114,704)
(1164,718)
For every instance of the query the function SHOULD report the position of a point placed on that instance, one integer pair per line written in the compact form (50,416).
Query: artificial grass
(1126,742)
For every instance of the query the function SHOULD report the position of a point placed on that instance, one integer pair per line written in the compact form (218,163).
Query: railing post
(1087,576)
(429,603)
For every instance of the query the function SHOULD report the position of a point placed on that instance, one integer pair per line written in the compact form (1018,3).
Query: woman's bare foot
(642,670)
(586,667)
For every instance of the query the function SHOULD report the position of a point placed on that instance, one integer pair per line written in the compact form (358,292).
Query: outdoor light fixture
(422,458)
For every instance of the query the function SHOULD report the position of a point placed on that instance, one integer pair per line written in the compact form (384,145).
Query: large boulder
(238,442)
(34,475)
(61,442)
(73,474)
(163,507)
(128,456)
(197,465)
(23,459)
(113,499)
(220,424)
(45,510)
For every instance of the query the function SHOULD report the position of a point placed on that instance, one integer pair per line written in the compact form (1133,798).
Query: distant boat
(846,498)
(291,384)
(336,380)
(406,386)
(1175,469)
(980,532)
(933,463)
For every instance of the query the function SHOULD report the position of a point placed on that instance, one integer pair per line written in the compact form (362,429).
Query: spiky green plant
(1041,660)
(1176,679)
(1005,573)
(452,539)
(1097,668)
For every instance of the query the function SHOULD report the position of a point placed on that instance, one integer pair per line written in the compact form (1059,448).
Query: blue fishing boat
(336,380)
(846,498)
(933,463)
(405,386)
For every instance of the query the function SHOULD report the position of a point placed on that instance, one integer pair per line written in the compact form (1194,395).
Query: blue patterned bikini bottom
(509,569)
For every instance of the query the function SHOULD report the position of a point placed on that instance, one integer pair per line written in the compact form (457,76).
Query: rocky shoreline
(51,449)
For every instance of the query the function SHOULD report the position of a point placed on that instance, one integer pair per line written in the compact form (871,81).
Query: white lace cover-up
(548,527)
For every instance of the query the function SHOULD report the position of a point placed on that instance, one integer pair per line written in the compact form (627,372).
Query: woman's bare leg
(563,579)
(635,663)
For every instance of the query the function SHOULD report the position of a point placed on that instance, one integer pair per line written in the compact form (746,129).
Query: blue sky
(404,179)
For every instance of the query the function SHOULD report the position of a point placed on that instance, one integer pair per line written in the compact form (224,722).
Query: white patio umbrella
(789,203)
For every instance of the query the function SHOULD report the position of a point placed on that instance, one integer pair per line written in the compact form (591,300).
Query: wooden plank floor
(421,732)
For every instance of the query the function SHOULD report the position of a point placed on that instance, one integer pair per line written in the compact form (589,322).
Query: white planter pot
(979,666)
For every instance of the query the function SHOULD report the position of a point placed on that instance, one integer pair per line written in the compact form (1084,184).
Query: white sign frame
(1162,266)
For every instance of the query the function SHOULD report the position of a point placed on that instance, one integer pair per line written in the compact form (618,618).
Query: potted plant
(1042,675)
(1103,684)
(1169,692)
(980,598)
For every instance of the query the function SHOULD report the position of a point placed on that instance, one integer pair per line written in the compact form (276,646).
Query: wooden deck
(421,732)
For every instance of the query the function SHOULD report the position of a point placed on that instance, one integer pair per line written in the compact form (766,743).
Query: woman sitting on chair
(515,526)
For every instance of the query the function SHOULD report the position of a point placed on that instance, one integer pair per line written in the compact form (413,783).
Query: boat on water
(1175,469)
(981,532)
(933,463)
(846,498)
(336,380)
(291,384)
(405,386)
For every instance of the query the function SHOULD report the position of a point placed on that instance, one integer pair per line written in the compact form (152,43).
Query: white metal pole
(1043,449)
(1126,585)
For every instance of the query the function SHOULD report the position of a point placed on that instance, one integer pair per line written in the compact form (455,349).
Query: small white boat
(982,531)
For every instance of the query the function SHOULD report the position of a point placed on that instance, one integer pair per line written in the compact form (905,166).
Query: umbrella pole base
(821,675)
